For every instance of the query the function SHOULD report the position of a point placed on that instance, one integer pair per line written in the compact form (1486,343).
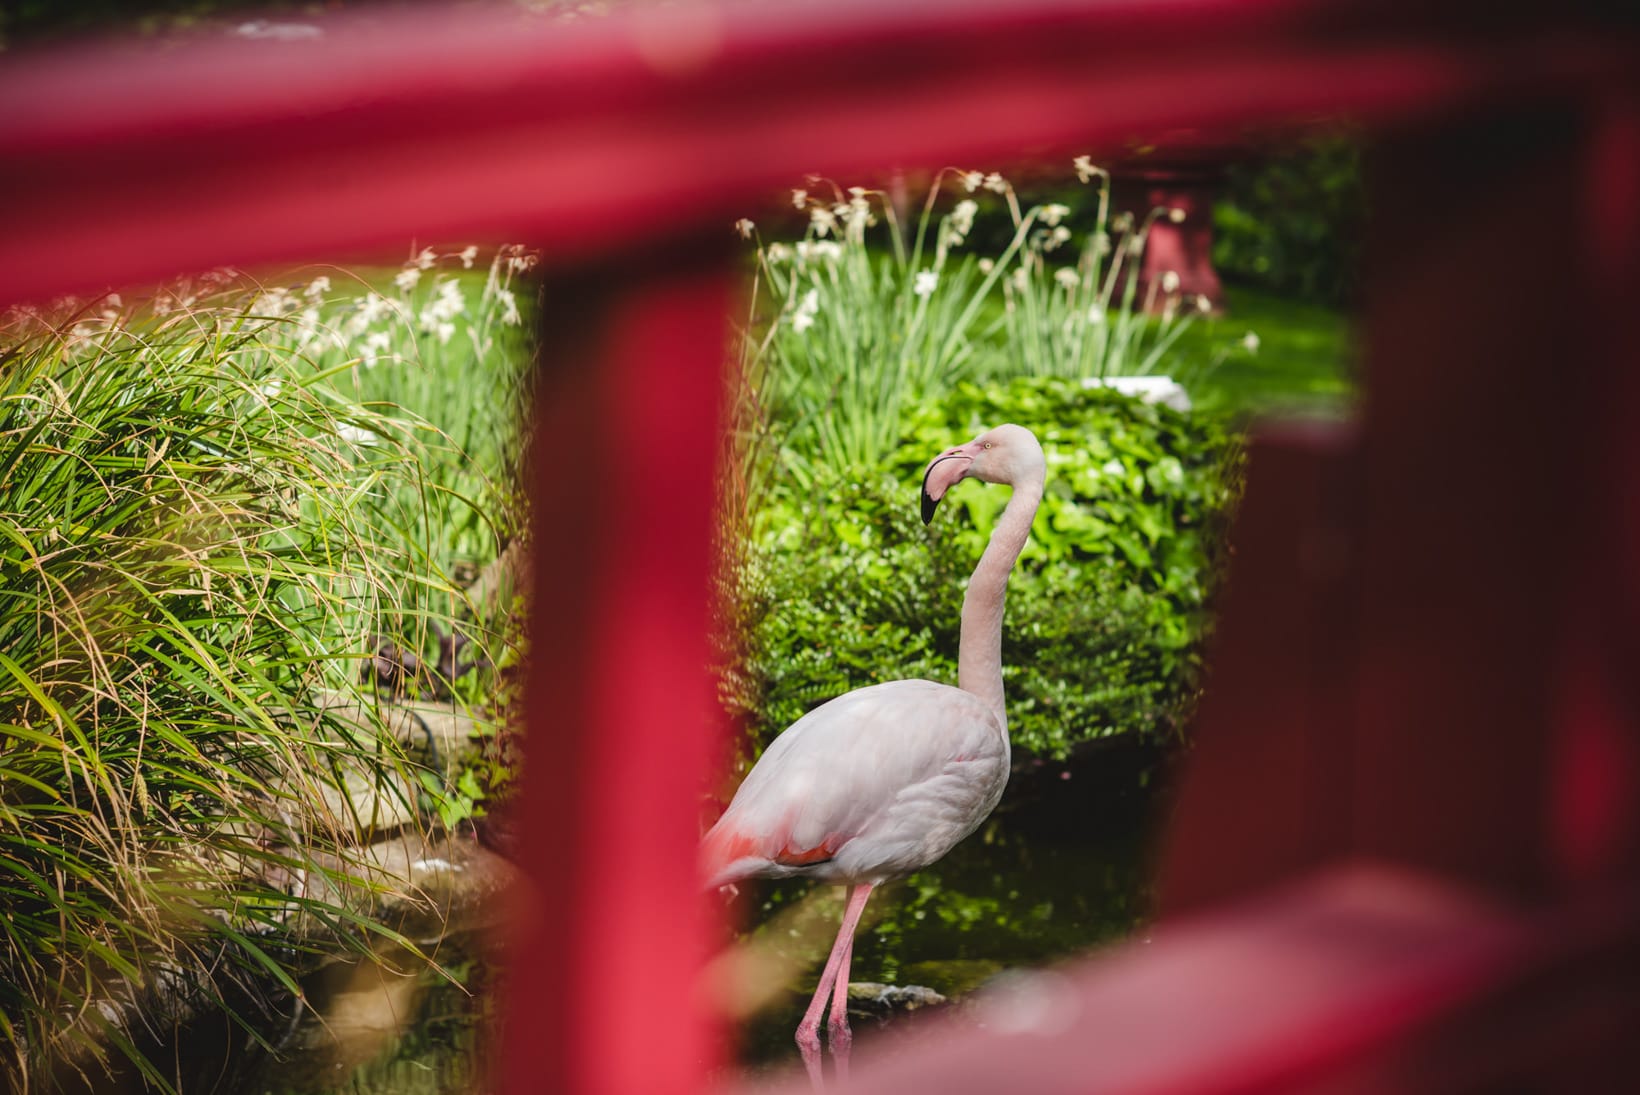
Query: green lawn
(1304,361)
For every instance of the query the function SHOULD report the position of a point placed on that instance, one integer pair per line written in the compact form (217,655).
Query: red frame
(1426,656)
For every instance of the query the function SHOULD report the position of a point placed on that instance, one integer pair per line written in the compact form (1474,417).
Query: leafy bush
(1107,610)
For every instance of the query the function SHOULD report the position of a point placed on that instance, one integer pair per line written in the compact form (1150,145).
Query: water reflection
(374,1029)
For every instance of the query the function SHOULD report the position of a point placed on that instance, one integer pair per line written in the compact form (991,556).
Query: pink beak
(945,472)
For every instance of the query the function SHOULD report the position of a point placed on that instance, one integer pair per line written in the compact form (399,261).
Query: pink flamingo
(884,780)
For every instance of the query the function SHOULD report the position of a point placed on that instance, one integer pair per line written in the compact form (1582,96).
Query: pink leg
(839,1036)
(808,1031)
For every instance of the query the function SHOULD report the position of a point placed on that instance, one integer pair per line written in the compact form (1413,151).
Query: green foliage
(1292,223)
(1107,611)
(202,531)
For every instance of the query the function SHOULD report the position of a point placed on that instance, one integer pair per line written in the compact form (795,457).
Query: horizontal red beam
(1333,983)
(605,134)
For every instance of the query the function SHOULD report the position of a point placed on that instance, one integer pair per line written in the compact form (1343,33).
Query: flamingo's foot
(808,1044)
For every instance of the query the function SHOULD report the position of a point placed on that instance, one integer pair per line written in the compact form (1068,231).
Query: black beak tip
(929,504)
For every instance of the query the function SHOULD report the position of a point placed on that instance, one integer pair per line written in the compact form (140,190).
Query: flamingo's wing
(874,783)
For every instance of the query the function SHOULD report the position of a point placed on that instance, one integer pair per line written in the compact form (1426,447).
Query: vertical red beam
(621,728)
(1477,444)
(1452,688)
(1265,797)
(1596,775)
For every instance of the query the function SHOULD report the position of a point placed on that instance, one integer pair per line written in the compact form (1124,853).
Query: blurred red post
(623,726)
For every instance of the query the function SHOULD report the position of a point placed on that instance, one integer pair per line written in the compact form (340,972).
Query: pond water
(1062,867)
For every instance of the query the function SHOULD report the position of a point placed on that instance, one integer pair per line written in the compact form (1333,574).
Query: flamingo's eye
(988,444)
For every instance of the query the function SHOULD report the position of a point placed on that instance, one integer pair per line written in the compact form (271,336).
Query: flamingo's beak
(945,472)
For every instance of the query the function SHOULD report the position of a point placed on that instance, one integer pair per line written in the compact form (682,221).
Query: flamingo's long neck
(979,655)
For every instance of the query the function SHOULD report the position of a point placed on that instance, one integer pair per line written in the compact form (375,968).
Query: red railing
(1426,658)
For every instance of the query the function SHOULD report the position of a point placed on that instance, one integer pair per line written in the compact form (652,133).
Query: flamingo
(884,780)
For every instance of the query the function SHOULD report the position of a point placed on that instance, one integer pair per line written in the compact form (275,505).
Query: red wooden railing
(1405,855)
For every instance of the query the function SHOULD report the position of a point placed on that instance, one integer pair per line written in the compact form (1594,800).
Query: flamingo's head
(1005,454)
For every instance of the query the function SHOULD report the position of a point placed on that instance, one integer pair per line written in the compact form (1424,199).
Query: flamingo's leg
(808,1031)
(839,1036)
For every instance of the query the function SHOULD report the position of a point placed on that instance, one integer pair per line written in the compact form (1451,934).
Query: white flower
(509,307)
(274,302)
(857,193)
(1021,277)
(1170,281)
(986,266)
(520,260)
(972,180)
(374,307)
(425,260)
(807,309)
(800,198)
(996,183)
(1084,168)
(745,227)
(449,303)
(407,278)
(823,220)
(856,214)
(1121,222)
(827,250)
(1067,277)
(1053,214)
(924,283)
(357,435)
(317,288)
(467,255)
(1096,313)
(1101,243)
(375,347)
(444,332)
(307,327)
(777,252)
(1203,305)
(1176,215)
(1249,342)
(1058,236)
(450,297)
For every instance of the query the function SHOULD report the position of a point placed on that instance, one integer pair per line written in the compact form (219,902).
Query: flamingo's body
(869,786)
(884,780)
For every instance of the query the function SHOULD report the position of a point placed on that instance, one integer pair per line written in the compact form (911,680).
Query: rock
(425,889)
(873,1000)
(1150,389)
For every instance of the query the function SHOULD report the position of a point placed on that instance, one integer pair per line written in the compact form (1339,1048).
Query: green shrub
(1107,610)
